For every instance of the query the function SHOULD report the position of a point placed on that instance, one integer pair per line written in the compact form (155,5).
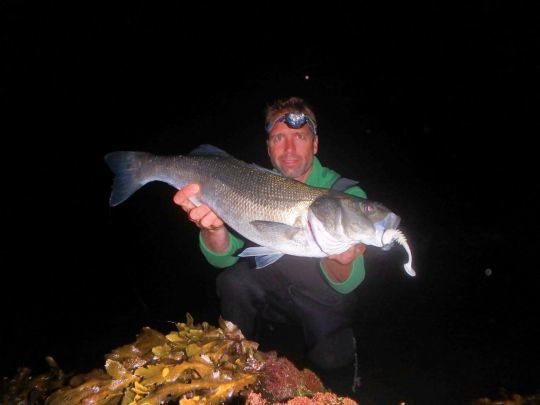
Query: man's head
(292,137)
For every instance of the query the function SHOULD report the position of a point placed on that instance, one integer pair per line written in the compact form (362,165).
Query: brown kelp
(197,363)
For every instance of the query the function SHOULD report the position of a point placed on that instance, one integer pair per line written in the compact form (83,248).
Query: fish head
(342,219)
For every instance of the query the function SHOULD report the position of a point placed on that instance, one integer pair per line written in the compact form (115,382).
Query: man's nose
(289,144)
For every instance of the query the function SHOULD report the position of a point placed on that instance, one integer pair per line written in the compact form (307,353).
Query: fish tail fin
(126,167)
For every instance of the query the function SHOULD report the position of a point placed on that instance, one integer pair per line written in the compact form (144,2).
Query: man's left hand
(349,255)
(338,267)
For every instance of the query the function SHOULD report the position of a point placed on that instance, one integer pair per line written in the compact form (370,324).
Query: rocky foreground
(196,364)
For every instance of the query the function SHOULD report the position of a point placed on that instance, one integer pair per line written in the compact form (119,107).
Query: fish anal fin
(263,261)
(263,256)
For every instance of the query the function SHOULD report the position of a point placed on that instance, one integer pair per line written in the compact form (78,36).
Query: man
(317,294)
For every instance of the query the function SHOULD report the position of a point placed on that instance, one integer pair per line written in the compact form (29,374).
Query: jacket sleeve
(222,260)
(356,191)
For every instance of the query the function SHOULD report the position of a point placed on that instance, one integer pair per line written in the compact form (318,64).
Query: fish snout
(390,221)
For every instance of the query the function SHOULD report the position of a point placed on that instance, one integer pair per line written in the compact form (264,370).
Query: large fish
(282,215)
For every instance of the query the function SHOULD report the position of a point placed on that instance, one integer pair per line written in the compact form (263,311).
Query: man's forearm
(217,240)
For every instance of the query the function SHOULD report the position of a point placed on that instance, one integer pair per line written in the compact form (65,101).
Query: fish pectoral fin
(263,256)
(276,228)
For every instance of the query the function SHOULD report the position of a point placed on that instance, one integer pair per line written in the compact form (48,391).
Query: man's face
(292,150)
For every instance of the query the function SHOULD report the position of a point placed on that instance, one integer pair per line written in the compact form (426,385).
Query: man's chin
(290,168)
(291,173)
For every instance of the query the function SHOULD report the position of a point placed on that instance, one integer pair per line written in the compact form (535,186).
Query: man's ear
(315,145)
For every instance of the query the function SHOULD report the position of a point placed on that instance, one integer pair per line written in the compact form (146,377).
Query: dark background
(427,105)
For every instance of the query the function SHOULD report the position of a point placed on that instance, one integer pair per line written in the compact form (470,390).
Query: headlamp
(294,120)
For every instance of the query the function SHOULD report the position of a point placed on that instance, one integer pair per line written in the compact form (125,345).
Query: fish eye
(367,208)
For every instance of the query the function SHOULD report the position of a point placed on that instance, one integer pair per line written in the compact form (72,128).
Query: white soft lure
(395,235)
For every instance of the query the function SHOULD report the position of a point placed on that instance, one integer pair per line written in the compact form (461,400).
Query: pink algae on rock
(319,398)
(281,380)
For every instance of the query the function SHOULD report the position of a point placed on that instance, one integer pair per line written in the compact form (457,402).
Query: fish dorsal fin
(264,169)
(207,149)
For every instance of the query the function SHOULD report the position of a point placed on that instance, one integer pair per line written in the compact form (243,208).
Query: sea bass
(282,215)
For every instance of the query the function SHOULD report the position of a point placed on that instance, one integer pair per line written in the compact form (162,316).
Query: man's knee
(335,351)
(232,281)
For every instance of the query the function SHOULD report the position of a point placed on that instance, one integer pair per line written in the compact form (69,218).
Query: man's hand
(202,215)
(349,255)
(213,229)
(338,267)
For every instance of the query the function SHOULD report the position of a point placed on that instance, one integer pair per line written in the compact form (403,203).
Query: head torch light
(294,120)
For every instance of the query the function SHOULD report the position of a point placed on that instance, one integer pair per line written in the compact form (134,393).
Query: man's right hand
(202,215)
(213,229)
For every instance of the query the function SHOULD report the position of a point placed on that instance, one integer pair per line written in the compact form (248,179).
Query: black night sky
(426,105)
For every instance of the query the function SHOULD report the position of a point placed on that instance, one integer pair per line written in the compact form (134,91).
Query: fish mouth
(390,221)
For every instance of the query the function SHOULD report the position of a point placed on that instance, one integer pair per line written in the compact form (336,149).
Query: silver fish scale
(240,193)
(264,207)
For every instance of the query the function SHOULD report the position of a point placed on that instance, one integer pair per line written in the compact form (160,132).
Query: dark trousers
(292,290)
